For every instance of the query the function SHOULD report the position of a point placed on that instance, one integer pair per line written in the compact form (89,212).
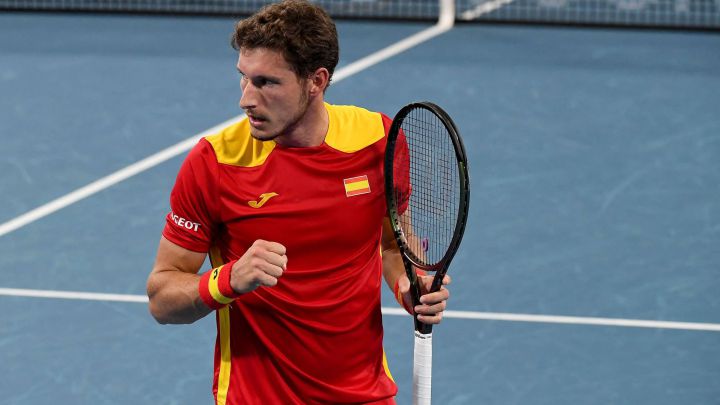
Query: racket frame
(410,259)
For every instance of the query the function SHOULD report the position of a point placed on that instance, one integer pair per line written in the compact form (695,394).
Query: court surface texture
(589,269)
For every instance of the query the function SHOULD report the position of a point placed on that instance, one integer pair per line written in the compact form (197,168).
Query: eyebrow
(265,77)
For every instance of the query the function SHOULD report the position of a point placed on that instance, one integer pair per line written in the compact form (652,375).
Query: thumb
(403,294)
(404,284)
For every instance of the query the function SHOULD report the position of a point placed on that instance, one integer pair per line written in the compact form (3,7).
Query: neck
(311,128)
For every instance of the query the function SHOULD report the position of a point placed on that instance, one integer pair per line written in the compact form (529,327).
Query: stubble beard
(290,126)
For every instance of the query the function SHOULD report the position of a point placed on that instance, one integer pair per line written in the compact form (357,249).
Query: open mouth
(256,120)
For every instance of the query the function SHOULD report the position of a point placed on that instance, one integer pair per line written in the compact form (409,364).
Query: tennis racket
(427,191)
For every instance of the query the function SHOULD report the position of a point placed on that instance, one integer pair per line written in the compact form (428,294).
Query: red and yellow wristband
(214,287)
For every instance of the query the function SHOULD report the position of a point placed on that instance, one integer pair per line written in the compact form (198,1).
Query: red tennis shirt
(315,337)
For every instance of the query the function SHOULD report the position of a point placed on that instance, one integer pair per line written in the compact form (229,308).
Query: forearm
(172,286)
(393,266)
(174,297)
(392,263)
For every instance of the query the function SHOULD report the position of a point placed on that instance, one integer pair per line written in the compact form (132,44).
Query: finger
(430,309)
(265,279)
(426,281)
(253,274)
(430,319)
(270,246)
(432,298)
(267,267)
(273,258)
(269,252)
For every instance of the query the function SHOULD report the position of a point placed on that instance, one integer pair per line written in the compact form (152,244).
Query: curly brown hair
(302,31)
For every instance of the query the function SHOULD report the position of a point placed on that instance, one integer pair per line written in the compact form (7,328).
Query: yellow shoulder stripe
(350,129)
(234,146)
(353,128)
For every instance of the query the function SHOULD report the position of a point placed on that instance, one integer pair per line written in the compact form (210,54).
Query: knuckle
(259,273)
(270,281)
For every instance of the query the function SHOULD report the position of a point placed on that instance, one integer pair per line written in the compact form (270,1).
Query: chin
(262,135)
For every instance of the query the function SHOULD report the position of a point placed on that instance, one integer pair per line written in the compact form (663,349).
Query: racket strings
(431,186)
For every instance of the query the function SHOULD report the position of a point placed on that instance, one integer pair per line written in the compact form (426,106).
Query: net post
(446,18)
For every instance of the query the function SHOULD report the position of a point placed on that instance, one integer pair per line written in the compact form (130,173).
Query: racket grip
(422,369)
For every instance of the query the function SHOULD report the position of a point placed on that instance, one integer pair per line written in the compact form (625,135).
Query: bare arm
(173,283)
(432,305)
(392,263)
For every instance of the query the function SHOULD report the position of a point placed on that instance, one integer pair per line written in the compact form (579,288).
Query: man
(289,204)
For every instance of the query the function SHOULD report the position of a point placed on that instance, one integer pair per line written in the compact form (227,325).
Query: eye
(263,82)
(257,81)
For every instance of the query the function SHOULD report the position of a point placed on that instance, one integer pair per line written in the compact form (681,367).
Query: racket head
(426,187)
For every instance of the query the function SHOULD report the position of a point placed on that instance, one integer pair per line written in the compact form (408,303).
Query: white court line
(444,24)
(487,316)
(72,295)
(108,181)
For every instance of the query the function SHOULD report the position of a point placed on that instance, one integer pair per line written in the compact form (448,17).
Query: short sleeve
(191,221)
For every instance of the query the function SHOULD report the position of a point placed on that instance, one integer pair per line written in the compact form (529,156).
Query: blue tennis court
(589,269)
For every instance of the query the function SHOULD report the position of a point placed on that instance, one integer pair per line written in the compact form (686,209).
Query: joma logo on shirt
(182,222)
(264,197)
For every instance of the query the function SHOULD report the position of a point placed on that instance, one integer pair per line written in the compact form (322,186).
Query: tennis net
(657,13)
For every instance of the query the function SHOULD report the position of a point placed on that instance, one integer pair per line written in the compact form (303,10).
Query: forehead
(263,61)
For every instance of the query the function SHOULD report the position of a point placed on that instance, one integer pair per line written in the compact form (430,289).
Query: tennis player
(289,203)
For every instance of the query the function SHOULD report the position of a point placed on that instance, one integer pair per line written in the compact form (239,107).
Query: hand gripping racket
(427,191)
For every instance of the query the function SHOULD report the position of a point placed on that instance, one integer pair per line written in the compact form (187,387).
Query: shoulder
(234,146)
(354,128)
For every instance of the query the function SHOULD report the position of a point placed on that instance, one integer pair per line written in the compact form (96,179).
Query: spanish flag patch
(356,186)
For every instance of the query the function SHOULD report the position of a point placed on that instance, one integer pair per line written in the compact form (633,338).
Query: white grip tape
(422,370)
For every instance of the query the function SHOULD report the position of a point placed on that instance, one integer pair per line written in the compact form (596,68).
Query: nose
(248,97)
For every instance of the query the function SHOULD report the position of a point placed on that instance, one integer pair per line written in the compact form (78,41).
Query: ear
(319,81)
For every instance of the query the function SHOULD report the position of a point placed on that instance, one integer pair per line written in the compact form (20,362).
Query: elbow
(156,310)
(154,306)
(164,314)
(169,305)
(159,316)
